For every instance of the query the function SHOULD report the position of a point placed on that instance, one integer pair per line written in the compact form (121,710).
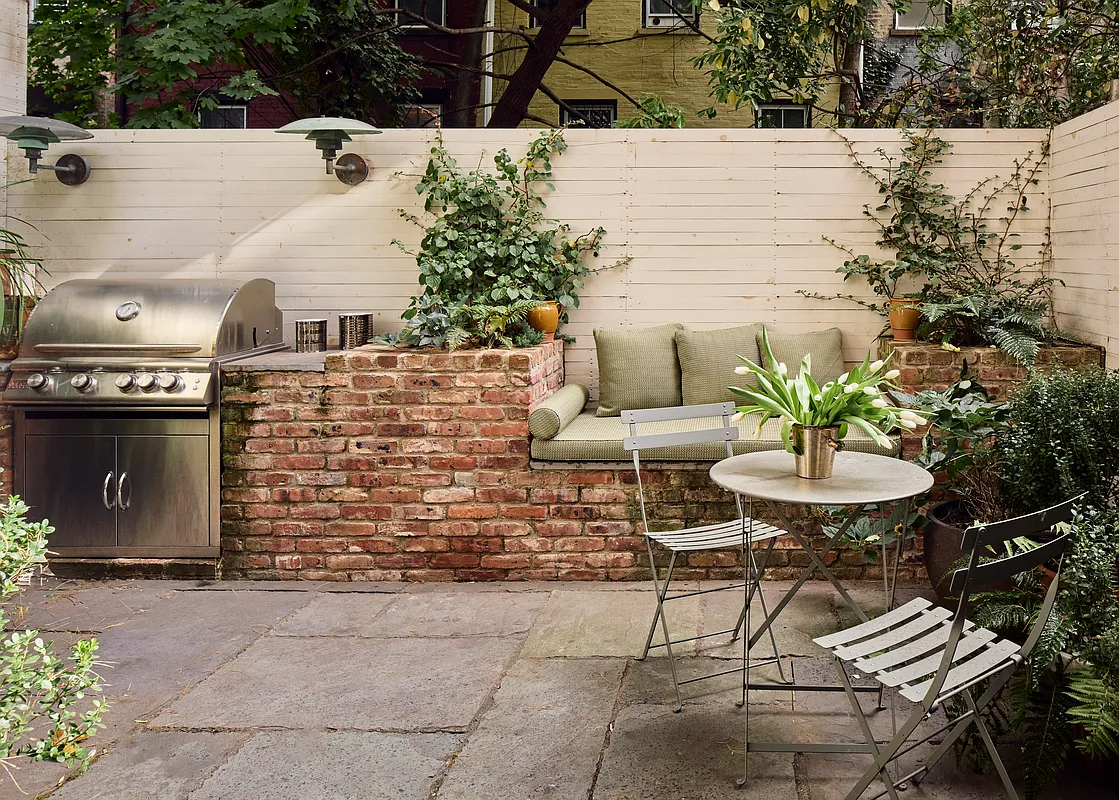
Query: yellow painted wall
(636,59)
(652,61)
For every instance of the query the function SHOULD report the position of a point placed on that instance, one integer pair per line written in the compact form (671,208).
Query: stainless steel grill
(116,390)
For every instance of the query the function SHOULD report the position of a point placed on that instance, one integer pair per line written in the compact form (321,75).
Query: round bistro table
(858,480)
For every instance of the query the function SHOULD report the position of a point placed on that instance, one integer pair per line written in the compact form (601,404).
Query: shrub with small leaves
(49,706)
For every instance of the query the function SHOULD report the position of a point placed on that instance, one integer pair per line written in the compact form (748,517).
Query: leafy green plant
(484,325)
(427,324)
(43,696)
(490,242)
(527,337)
(975,289)
(1063,440)
(963,425)
(855,398)
(652,112)
(19,274)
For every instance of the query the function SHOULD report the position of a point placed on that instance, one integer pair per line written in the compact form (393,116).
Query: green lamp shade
(43,129)
(328,127)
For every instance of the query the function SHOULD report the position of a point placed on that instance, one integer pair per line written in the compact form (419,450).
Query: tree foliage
(171,60)
(1005,63)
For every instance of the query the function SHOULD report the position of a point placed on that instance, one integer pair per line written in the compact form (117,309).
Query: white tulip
(818,398)
(743,370)
(851,388)
(782,370)
(737,417)
(892,374)
(843,378)
(909,415)
(871,390)
(877,365)
(878,402)
(907,424)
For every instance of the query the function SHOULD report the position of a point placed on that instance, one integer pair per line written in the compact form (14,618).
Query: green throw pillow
(637,369)
(708,359)
(826,348)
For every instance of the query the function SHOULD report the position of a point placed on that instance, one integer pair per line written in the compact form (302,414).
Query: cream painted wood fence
(721,226)
(1084,183)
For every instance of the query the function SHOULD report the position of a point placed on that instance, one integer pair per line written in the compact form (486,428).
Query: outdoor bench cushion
(592,438)
(555,413)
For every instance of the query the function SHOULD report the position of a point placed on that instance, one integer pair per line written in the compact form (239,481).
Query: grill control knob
(38,381)
(125,383)
(147,382)
(82,382)
(170,383)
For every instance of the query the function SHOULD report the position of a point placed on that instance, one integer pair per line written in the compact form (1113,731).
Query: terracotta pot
(905,316)
(545,318)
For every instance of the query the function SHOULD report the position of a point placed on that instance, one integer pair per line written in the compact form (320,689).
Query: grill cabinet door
(163,483)
(67,480)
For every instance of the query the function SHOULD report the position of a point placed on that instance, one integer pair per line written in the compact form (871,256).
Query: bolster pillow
(552,416)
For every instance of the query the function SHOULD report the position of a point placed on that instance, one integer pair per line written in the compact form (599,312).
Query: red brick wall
(412,465)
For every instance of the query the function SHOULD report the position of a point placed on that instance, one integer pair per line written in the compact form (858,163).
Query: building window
(782,116)
(550,5)
(921,14)
(423,115)
(228,114)
(592,113)
(668,13)
(434,11)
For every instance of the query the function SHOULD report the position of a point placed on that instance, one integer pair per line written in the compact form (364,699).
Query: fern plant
(484,325)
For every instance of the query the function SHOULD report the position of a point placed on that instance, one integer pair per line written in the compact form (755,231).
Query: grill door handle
(105,492)
(123,504)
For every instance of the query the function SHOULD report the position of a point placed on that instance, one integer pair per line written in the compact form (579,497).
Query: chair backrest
(635,442)
(980,575)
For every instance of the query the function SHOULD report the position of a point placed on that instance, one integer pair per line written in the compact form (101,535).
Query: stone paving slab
(330,614)
(650,682)
(331,766)
(355,684)
(694,755)
(543,735)
(583,624)
(450,614)
(154,765)
(811,615)
(83,606)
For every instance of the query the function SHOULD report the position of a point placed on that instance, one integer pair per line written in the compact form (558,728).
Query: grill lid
(161,319)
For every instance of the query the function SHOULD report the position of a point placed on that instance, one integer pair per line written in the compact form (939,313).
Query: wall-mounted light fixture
(328,134)
(34,135)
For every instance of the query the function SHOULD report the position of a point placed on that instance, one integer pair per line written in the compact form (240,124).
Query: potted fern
(814,418)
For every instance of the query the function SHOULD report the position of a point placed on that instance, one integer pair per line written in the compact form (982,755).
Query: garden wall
(722,226)
(378,464)
(1084,181)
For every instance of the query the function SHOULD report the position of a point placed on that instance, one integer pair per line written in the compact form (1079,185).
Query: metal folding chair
(741,532)
(931,654)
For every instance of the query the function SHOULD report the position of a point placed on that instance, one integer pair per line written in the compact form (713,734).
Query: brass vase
(814,449)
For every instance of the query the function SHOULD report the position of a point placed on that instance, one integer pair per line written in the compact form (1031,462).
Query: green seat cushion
(708,359)
(591,438)
(825,347)
(637,369)
(550,417)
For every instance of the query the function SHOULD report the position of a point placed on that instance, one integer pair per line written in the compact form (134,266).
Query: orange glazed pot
(905,316)
(545,318)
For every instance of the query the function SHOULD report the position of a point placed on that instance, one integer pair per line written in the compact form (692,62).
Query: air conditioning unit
(664,21)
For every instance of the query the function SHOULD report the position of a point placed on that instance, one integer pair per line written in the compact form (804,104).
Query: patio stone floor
(302,691)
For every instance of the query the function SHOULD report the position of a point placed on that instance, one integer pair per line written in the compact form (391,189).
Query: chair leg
(765,614)
(958,730)
(885,753)
(989,742)
(867,732)
(660,593)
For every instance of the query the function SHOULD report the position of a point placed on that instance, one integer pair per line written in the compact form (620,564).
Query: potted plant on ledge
(815,419)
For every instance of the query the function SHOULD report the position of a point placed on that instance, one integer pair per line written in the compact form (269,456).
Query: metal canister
(354,330)
(310,335)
